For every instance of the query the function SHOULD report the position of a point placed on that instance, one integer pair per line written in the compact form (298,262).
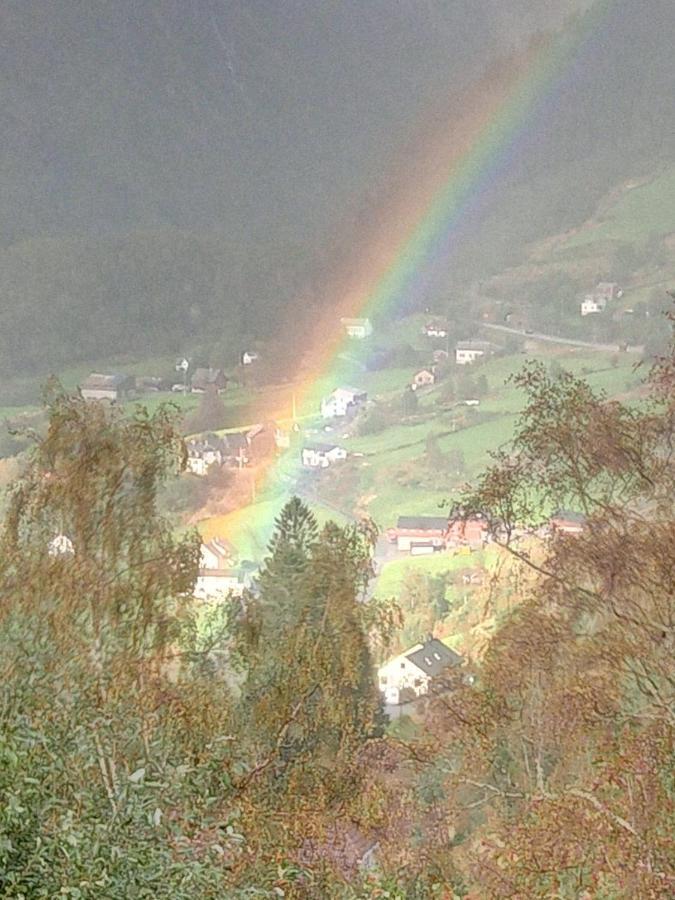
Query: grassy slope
(637,214)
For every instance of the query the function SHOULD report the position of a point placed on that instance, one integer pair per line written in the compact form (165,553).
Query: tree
(308,690)
(557,757)
(409,402)
(98,686)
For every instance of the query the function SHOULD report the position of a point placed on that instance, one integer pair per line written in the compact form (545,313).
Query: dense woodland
(154,748)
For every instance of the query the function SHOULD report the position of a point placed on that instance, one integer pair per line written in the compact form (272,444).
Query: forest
(155,747)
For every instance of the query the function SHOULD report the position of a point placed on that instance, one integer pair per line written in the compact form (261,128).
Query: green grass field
(639,213)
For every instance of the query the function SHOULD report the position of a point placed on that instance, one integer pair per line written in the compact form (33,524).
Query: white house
(408,675)
(248,357)
(432,329)
(320,456)
(203,453)
(592,303)
(61,545)
(98,386)
(423,378)
(467,352)
(217,577)
(342,401)
(357,328)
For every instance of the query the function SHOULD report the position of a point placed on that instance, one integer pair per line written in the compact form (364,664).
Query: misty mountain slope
(175,173)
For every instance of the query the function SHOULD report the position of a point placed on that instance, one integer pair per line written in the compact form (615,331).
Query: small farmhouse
(409,675)
(203,378)
(415,534)
(471,531)
(435,330)
(439,355)
(565,521)
(217,577)
(423,378)
(202,453)
(107,387)
(320,456)
(248,357)
(357,328)
(467,352)
(234,450)
(592,303)
(61,545)
(342,402)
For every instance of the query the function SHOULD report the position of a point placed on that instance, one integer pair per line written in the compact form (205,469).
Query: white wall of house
(99,393)
(465,357)
(400,673)
(592,304)
(217,586)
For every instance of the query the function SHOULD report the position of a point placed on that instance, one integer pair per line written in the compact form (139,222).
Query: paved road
(555,339)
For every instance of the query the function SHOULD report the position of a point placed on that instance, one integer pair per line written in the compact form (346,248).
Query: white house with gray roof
(342,401)
(409,675)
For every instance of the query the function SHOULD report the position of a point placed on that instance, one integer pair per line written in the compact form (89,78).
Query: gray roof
(321,448)
(423,523)
(433,657)
(99,381)
(486,346)
(235,441)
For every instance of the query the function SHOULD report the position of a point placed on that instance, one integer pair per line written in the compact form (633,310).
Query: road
(555,339)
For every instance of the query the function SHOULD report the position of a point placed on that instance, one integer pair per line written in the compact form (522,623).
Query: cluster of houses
(234,450)
(604,293)
(115,387)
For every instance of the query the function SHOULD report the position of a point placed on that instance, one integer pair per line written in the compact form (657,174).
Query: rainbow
(464,151)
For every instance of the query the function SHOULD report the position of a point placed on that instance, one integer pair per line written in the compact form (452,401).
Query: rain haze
(336,425)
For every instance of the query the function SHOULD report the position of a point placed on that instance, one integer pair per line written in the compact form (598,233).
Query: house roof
(208,376)
(348,389)
(100,381)
(433,657)
(474,345)
(221,547)
(348,321)
(235,441)
(423,523)
(321,448)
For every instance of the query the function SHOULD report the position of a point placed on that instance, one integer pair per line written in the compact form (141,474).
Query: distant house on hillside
(203,453)
(248,357)
(439,355)
(409,675)
(467,352)
(203,378)
(565,521)
(98,386)
(235,450)
(342,401)
(320,456)
(592,304)
(217,576)
(357,328)
(61,545)
(423,378)
(435,330)
(471,531)
(419,533)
